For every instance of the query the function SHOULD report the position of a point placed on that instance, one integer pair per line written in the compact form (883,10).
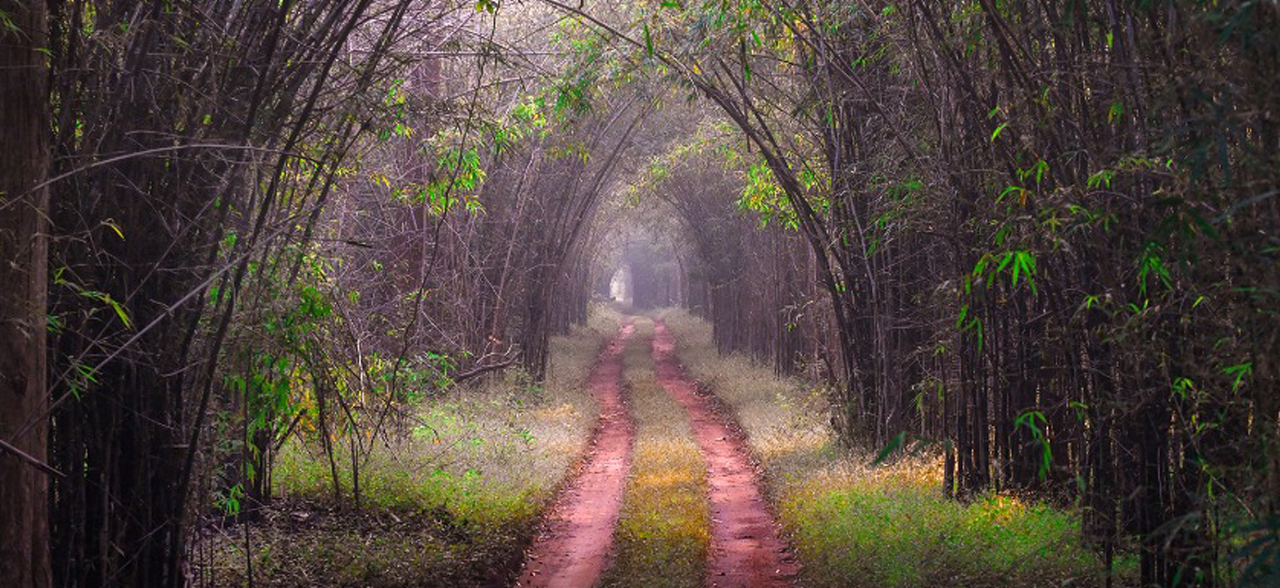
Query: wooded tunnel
(360,258)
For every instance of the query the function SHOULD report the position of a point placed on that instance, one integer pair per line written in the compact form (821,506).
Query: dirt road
(746,551)
(573,549)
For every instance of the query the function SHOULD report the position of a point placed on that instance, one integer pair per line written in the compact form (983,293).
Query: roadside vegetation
(663,533)
(889,525)
(454,502)
(280,282)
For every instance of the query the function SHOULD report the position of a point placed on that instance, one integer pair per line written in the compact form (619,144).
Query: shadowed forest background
(990,285)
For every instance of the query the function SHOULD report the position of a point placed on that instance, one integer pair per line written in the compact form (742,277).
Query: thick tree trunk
(24,163)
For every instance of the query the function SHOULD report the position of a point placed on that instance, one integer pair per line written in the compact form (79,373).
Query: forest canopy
(1034,240)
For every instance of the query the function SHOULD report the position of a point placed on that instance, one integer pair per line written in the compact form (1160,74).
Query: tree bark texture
(24,163)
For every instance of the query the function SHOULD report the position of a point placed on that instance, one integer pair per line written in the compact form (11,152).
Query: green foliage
(996,133)
(396,113)
(970,325)
(1021,263)
(1036,422)
(229,502)
(451,498)
(763,196)
(102,298)
(591,67)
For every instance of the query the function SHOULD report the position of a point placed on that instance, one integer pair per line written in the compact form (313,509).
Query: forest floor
(646,460)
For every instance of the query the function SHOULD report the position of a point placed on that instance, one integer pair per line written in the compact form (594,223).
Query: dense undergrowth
(856,525)
(664,529)
(453,501)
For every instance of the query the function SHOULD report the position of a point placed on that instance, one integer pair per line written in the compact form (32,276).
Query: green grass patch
(888,526)
(663,534)
(452,499)
(897,529)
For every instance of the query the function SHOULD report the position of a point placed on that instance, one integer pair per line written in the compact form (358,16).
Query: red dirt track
(574,546)
(746,551)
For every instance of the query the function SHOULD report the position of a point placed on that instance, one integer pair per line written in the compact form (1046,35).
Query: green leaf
(648,40)
(1024,264)
(1100,179)
(120,312)
(1010,190)
(111,225)
(998,130)
(1008,257)
(894,444)
(1240,371)
(1115,112)
(1035,421)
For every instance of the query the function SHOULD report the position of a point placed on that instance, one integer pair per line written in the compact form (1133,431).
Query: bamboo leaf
(894,445)
(120,312)
(995,134)
(112,225)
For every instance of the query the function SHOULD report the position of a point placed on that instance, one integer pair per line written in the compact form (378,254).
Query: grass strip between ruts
(664,530)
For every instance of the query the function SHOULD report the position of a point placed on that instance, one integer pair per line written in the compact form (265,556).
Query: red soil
(574,546)
(746,550)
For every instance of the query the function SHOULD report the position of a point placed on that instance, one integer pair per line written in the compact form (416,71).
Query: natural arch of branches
(1038,238)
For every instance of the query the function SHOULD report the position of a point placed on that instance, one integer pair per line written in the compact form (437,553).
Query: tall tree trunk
(24,163)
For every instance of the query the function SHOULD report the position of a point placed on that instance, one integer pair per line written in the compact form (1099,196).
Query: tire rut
(746,549)
(572,550)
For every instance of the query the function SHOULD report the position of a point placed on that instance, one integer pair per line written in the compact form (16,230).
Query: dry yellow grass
(663,534)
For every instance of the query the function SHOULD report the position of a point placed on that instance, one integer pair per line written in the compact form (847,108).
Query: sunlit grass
(889,526)
(663,534)
(451,500)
